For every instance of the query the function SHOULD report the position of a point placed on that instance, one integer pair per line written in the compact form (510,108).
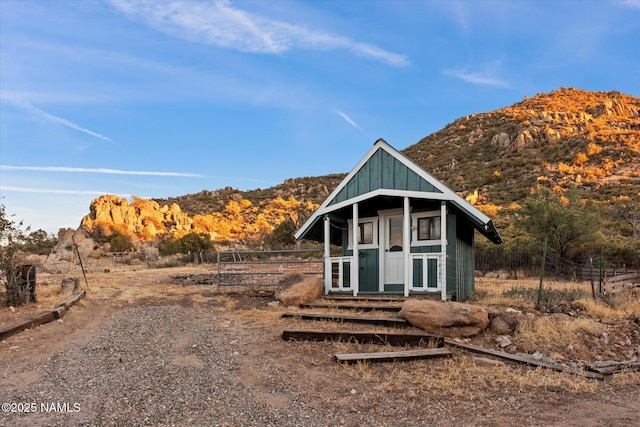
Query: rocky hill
(568,138)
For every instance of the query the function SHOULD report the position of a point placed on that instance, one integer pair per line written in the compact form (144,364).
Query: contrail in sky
(98,170)
(348,119)
(53,191)
(53,118)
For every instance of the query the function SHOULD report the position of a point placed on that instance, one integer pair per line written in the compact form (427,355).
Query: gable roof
(384,171)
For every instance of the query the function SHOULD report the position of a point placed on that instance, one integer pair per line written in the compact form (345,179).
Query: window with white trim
(367,233)
(425,228)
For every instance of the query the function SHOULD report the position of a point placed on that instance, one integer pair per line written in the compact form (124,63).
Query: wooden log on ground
(37,320)
(362,307)
(523,359)
(364,337)
(59,311)
(42,318)
(380,321)
(612,367)
(72,299)
(392,356)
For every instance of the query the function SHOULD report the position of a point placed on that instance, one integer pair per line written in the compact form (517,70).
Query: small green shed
(401,231)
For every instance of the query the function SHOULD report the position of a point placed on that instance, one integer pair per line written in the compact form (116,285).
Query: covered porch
(399,246)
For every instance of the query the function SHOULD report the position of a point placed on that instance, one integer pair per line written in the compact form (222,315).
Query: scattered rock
(511,349)
(503,341)
(296,289)
(446,318)
(504,324)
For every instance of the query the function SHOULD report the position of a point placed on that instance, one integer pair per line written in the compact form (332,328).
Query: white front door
(393,250)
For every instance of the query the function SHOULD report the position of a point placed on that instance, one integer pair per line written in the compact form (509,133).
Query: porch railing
(340,273)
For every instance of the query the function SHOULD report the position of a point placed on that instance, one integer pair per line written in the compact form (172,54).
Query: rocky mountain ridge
(568,138)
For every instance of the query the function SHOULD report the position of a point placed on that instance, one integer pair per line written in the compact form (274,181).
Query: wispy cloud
(55,191)
(634,4)
(30,107)
(482,78)
(348,119)
(98,170)
(460,14)
(221,24)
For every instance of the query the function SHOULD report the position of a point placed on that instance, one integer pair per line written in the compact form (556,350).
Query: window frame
(374,244)
(415,217)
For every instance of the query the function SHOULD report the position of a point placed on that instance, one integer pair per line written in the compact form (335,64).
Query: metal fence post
(218,275)
(544,258)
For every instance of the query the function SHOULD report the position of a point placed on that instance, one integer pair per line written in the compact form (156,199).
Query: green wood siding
(465,266)
(382,170)
(460,257)
(451,253)
(368,274)
(434,249)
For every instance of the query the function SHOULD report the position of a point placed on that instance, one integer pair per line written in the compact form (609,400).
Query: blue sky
(159,98)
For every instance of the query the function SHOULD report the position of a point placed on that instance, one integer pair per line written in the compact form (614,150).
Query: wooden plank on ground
(37,320)
(361,307)
(612,367)
(392,356)
(380,321)
(363,337)
(72,299)
(522,359)
(42,318)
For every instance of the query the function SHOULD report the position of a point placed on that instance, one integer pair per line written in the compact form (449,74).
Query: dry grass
(545,333)
(462,378)
(615,306)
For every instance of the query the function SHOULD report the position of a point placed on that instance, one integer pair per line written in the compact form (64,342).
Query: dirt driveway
(144,349)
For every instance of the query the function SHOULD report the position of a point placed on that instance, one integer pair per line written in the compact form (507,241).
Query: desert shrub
(282,236)
(189,243)
(120,242)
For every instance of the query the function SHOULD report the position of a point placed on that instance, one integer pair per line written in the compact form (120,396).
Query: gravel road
(171,365)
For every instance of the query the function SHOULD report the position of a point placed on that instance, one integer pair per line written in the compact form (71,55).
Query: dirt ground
(455,391)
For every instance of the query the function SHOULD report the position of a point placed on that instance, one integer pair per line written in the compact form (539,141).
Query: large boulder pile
(449,319)
(297,288)
(145,219)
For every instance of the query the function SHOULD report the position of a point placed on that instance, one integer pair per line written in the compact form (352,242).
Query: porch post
(355,260)
(327,254)
(406,245)
(443,254)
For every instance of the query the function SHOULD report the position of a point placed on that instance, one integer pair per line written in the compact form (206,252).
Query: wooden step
(395,339)
(361,307)
(369,298)
(380,321)
(392,356)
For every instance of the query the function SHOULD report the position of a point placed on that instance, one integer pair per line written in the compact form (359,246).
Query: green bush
(120,243)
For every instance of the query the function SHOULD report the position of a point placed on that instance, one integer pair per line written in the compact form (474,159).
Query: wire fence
(508,276)
(262,270)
